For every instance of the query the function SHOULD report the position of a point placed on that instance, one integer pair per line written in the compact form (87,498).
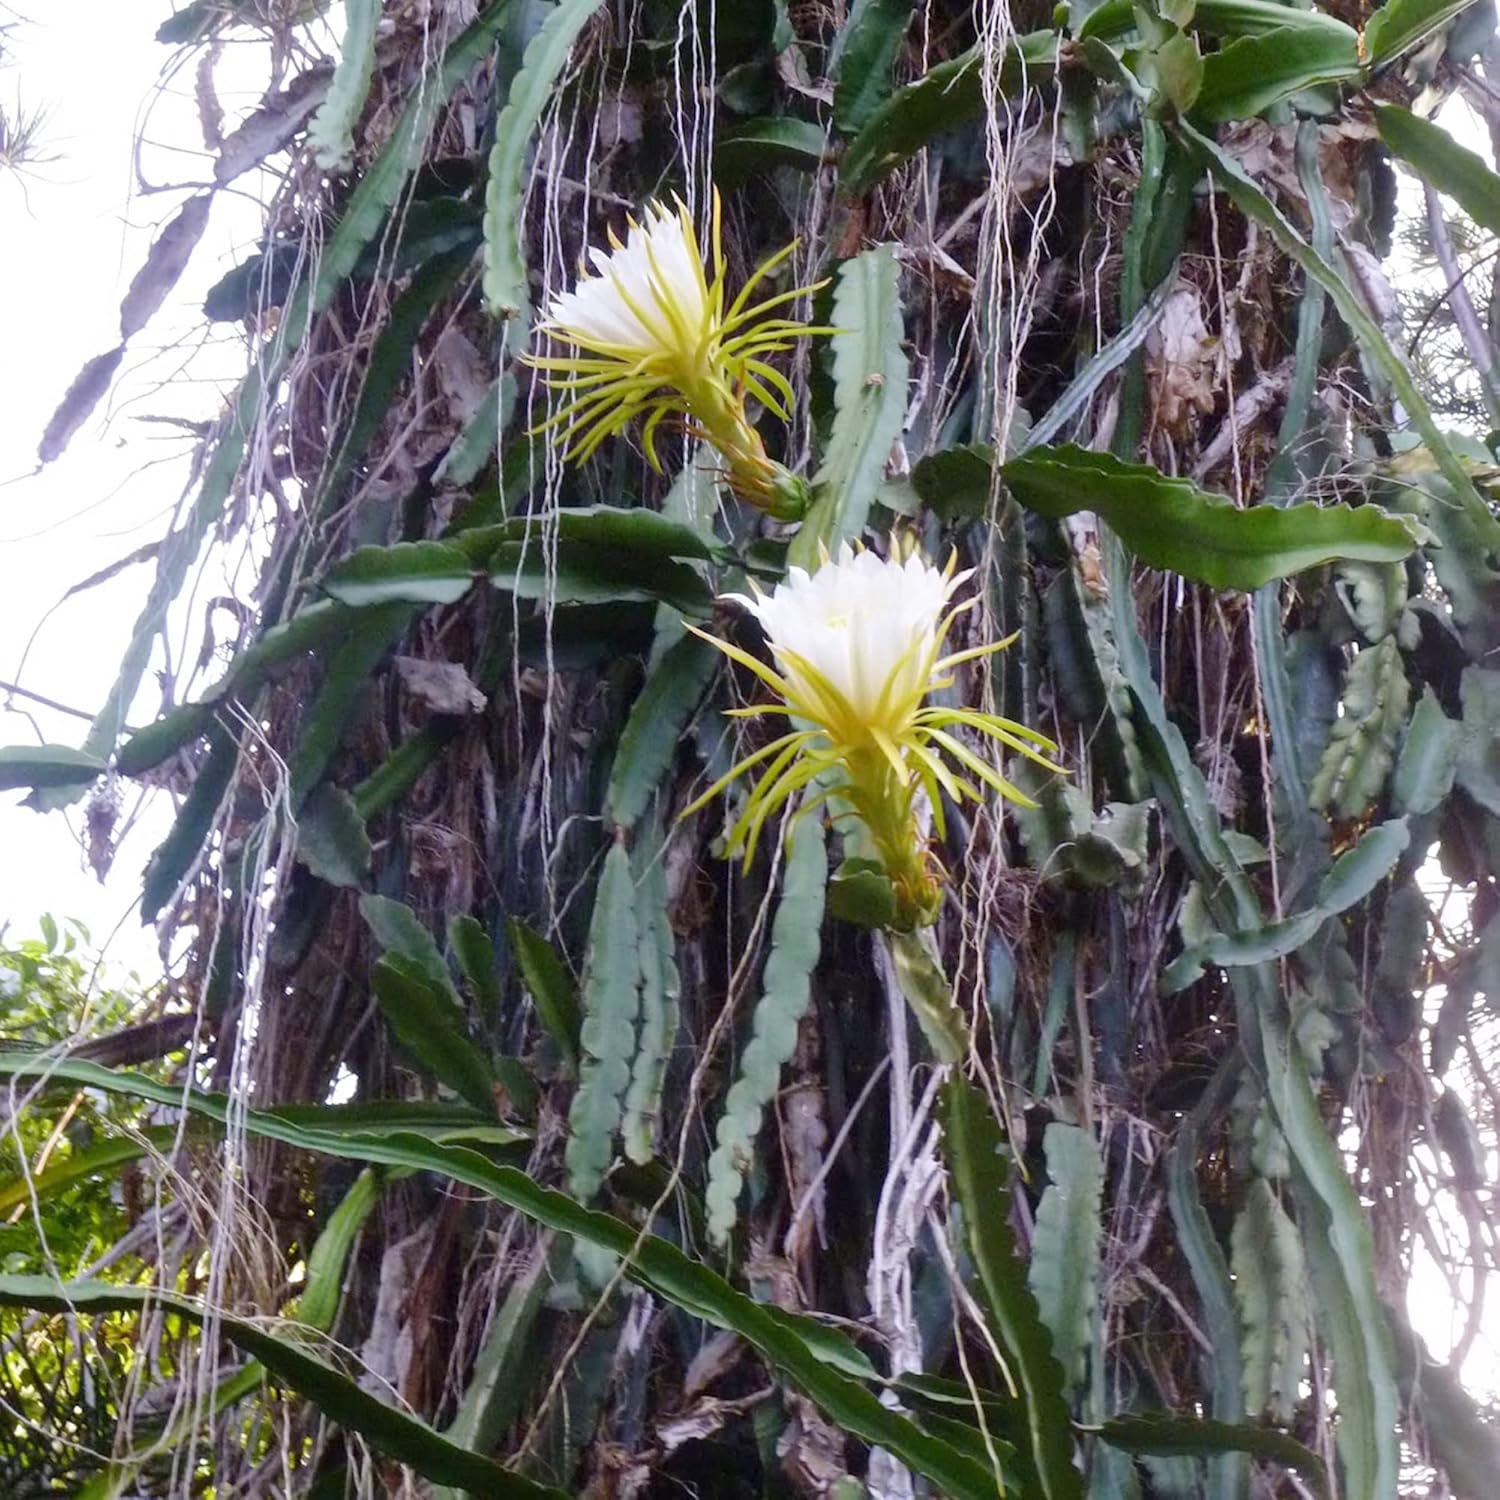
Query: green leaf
(505,286)
(630,529)
(348,663)
(1478,769)
(1064,1268)
(1362,748)
(653,732)
(1340,1256)
(1270,1285)
(316,1309)
(786,993)
(1442,163)
(870,373)
(46,765)
(331,838)
(498,1382)
(956,483)
(607,1036)
(416,995)
(864,54)
(551,988)
(1357,871)
(321,627)
(77,1164)
(190,24)
(759,145)
(395,927)
(1252,73)
(195,819)
(1118,18)
(331,134)
(1400,24)
(947,97)
(659,1000)
(1174,70)
(430,1028)
(1429,757)
(860,892)
(811,1357)
(387,1429)
(1397,995)
(319,1303)
(1171,524)
(391,357)
(1200,1245)
(976,1163)
(470,944)
(1167,1434)
(1353,876)
(594,573)
(409,572)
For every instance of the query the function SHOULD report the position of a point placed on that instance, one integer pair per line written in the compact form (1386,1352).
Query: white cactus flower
(864,626)
(858,647)
(654,336)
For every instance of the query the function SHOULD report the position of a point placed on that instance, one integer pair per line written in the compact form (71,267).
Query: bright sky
(74,233)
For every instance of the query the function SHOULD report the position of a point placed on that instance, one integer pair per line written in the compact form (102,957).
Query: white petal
(866,625)
(621,303)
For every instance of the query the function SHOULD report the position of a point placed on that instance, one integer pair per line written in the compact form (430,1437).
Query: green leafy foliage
(1041,245)
(814,1358)
(786,993)
(945,98)
(46,765)
(1399,25)
(387,1429)
(1429,757)
(870,372)
(417,998)
(551,987)
(505,286)
(332,840)
(649,741)
(659,1001)
(1156,1433)
(1255,72)
(1065,1247)
(1362,749)
(759,145)
(1270,1283)
(865,52)
(331,135)
(376,191)
(607,1035)
(1438,159)
(1170,523)
(975,1157)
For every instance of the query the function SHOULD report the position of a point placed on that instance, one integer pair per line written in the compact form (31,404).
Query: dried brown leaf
(165,262)
(272,125)
(443,686)
(87,390)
